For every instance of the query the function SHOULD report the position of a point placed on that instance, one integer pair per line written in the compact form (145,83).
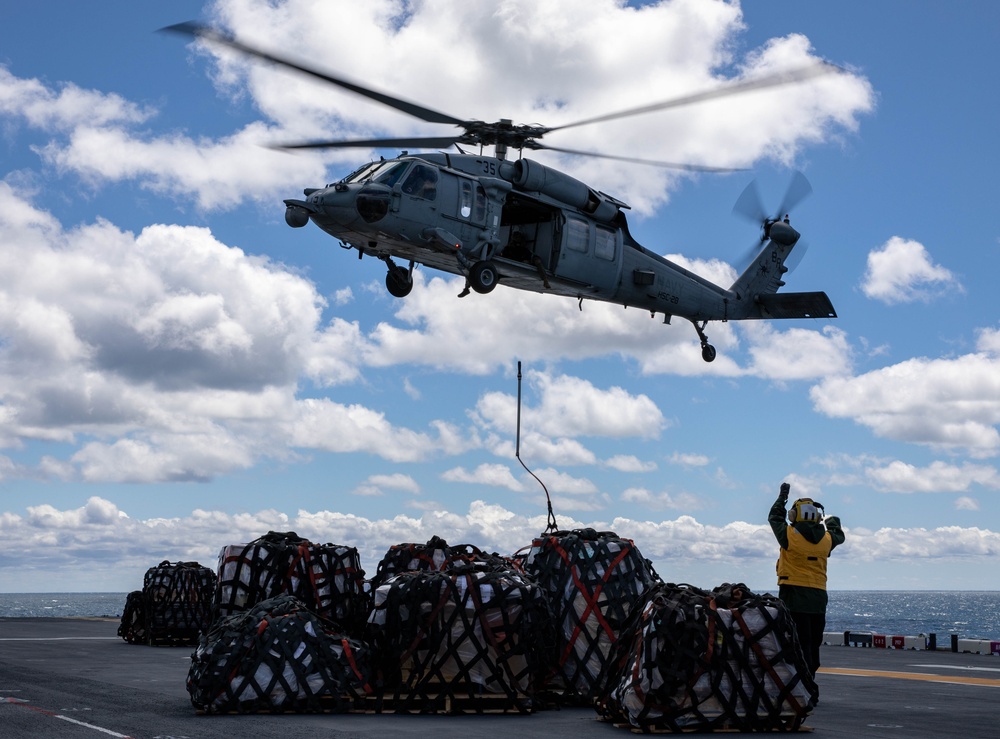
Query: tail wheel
(708,353)
(484,277)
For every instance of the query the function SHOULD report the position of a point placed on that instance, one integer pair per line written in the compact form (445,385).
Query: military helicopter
(529,226)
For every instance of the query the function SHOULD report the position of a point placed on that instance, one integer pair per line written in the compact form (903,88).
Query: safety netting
(173,607)
(693,660)
(471,638)
(592,580)
(278,656)
(326,577)
(133,624)
(434,556)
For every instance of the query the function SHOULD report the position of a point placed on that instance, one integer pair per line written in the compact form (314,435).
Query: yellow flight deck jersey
(804,563)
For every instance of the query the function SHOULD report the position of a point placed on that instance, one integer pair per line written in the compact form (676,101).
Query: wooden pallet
(701,729)
(434,702)
(445,702)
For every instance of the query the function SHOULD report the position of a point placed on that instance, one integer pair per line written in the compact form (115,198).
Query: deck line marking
(927,677)
(52,714)
(101,729)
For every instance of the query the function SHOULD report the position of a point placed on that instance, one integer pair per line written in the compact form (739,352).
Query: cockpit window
(363,172)
(389,174)
(421,182)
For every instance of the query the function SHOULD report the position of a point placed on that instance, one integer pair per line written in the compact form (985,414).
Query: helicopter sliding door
(533,225)
(591,253)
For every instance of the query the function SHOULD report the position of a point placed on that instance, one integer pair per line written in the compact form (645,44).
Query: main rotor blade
(428,142)
(651,162)
(777,79)
(197,30)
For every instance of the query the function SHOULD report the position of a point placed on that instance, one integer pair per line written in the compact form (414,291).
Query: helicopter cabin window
(421,182)
(604,246)
(577,235)
(472,201)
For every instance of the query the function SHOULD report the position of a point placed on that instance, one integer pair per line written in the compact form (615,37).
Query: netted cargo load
(326,577)
(434,556)
(173,607)
(133,624)
(468,639)
(178,599)
(278,656)
(692,660)
(593,581)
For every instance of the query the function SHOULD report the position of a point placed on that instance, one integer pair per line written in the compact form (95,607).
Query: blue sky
(180,371)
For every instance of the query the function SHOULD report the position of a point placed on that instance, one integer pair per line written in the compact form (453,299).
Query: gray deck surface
(76,678)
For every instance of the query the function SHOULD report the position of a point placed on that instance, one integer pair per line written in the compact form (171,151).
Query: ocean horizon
(967,614)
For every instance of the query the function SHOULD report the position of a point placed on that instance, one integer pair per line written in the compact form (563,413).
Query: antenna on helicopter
(551,525)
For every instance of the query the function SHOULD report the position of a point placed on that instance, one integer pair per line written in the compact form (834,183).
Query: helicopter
(527,225)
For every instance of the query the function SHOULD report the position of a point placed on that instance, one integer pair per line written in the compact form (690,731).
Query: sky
(180,371)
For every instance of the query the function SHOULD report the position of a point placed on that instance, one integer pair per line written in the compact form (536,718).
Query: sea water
(970,615)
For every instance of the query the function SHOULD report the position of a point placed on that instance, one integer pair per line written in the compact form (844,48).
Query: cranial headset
(806,509)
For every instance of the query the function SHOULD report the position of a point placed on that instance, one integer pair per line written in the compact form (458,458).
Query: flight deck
(75,678)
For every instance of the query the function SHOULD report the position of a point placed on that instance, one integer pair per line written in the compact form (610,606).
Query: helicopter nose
(783,233)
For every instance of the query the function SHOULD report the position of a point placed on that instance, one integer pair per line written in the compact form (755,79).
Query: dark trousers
(809,627)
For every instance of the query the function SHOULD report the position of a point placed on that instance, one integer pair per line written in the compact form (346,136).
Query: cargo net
(326,577)
(173,607)
(276,657)
(468,639)
(434,556)
(691,660)
(592,580)
(133,624)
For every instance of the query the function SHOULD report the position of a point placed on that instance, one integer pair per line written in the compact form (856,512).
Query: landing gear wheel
(483,277)
(398,283)
(707,350)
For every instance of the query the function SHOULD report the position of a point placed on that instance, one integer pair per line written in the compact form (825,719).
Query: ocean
(970,615)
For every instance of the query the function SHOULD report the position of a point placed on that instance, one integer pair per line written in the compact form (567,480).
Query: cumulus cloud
(689,459)
(99,547)
(944,403)
(902,271)
(168,355)
(938,477)
(99,136)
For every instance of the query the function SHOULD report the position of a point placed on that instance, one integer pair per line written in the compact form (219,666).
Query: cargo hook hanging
(551,525)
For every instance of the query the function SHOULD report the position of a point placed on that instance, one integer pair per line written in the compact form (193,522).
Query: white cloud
(946,403)
(938,477)
(901,271)
(375,485)
(661,501)
(689,459)
(965,503)
(99,137)
(498,475)
(629,463)
(572,407)
(83,548)
(797,354)
(169,356)
(50,110)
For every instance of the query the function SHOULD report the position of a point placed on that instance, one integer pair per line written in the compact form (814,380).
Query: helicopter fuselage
(531,227)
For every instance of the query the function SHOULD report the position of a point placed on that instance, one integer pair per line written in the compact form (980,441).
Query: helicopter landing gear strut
(707,350)
(398,281)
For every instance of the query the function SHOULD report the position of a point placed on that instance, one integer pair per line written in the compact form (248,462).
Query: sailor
(805,547)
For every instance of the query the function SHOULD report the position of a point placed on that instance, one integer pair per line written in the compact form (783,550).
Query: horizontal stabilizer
(796,305)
